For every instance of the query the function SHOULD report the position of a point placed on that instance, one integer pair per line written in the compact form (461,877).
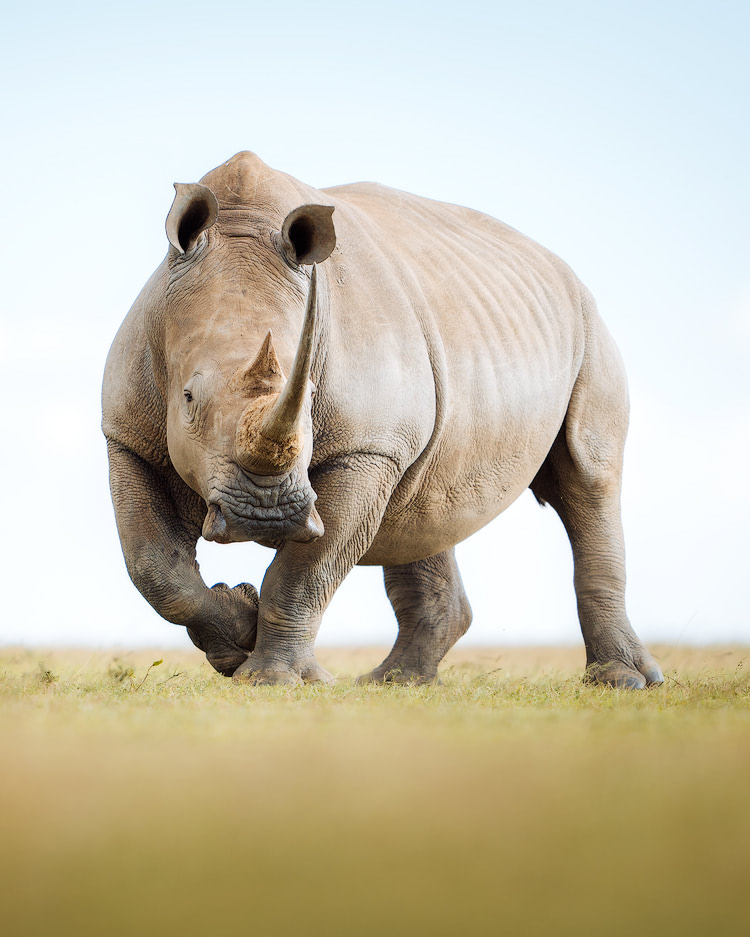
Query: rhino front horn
(270,438)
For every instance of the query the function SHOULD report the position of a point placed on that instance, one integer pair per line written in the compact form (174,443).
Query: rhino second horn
(263,376)
(272,445)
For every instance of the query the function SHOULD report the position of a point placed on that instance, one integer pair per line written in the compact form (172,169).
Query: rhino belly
(461,490)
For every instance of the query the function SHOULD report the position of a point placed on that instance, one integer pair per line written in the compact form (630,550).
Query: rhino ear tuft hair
(194,209)
(308,235)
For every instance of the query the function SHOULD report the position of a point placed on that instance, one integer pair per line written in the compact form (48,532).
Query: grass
(511,799)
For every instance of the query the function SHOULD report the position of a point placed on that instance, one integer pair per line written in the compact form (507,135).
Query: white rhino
(439,363)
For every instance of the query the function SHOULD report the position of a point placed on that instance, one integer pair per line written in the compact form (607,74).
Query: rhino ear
(307,235)
(193,211)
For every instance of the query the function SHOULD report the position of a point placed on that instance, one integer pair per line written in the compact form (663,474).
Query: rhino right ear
(308,235)
(194,209)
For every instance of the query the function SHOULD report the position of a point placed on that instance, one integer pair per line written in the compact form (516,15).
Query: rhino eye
(191,393)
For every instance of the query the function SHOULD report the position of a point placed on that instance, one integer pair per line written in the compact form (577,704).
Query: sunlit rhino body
(376,409)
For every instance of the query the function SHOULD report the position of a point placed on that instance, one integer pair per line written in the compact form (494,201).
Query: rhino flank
(377,409)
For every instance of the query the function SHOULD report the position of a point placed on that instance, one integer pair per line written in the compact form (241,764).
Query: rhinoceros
(357,375)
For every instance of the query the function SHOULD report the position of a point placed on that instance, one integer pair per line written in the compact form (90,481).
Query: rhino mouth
(243,511)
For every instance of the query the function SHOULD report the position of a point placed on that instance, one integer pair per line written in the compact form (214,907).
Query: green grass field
(511,799)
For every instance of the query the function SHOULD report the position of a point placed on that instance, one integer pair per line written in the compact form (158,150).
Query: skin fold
(358,376)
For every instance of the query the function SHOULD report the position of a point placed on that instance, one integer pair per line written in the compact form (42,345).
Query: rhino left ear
(307,235)
(194,209)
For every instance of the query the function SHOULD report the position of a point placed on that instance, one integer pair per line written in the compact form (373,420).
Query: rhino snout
(241,510)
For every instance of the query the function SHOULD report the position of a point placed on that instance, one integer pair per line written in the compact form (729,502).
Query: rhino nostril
(214,526)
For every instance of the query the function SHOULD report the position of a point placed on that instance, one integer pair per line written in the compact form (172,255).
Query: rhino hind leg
(433,612)
(581,480)
(590,512)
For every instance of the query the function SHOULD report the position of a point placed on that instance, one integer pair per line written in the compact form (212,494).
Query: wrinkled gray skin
(446,364)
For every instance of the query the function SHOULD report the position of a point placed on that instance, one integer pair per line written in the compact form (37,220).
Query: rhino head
(239,430)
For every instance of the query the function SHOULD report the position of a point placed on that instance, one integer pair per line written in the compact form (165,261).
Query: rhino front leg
(433,612)
(301,580)
(159,522)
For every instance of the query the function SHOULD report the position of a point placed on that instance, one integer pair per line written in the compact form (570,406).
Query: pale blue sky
(614,133)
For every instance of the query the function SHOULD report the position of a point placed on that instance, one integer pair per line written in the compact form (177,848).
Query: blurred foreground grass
(510,800)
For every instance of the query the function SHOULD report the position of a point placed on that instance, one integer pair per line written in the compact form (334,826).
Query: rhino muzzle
(292,517)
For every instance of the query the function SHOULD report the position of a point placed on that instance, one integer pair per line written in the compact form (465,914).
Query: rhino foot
(646,672)
(392,674)
(259,672)
(225,629)
(266,677)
